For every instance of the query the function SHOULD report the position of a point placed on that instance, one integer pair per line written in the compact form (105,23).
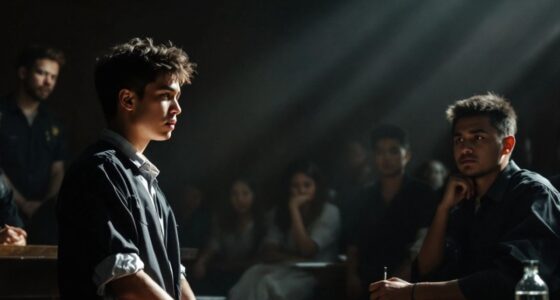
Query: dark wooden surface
(30,272)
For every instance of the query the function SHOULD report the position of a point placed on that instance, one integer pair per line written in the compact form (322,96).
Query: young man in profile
(493,215)
(118,236)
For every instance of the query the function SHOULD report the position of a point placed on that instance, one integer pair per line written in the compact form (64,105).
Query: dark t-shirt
(28,152)
(518,219)
(385,233)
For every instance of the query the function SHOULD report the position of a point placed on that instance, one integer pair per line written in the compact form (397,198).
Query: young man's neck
(484,182)
(26,103)
(130,135)
(245,219)
(390,186)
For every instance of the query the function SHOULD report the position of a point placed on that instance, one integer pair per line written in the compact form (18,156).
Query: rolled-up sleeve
(184,271)
(101,204)
(114,227)
(115,266)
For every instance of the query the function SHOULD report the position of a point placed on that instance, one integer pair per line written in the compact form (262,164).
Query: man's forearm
(448,290)
(137,286)
(186,291)
(432,251)
(55,181)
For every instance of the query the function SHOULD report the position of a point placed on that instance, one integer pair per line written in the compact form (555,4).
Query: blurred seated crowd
(372,215)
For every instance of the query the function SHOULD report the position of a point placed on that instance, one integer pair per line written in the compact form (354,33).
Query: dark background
(281,80)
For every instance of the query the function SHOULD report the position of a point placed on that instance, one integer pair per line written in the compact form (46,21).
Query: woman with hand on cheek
(304,227)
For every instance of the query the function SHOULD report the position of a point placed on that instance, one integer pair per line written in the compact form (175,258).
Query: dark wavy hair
(282,217)
(133,65)
(388,131)
(500,112)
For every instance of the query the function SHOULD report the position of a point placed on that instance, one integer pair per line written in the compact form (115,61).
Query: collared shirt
(148,170)
(27,152)
(110,223)
(518,219)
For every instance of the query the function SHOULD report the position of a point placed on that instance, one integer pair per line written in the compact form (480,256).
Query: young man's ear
(407,155)
(22,72)
(127,99)
(508,143)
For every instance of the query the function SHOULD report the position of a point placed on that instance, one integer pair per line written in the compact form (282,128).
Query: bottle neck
(531,270)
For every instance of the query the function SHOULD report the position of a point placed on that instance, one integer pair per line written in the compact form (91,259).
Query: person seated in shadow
(193,218)
(353,173)
(232,248)
(433,173)
(11,225)
(394,217)
(493,216)
(305,227)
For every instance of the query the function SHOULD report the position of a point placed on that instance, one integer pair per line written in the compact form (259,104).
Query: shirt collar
(146,168)
(498,188)
(14,108)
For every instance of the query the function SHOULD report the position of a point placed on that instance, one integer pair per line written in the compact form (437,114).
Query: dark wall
(278,80)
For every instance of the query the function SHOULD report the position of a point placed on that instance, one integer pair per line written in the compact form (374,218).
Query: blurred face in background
(242,197)
(192,198)
(390,157)
(40,79)
(435,174)
(302,185)
(355,155)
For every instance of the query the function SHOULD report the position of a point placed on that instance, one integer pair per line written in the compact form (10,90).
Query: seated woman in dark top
(234,241)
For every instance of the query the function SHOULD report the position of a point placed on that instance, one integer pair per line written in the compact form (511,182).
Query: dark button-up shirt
(518,219)
(27,152)
(386,232)
(112,225)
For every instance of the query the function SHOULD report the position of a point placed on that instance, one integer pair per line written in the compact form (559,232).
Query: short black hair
(498,109)
(390,132)
(29,55)
(134,64)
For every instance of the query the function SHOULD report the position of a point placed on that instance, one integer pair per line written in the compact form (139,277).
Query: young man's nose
(48,81)
(466,148)
(175,107)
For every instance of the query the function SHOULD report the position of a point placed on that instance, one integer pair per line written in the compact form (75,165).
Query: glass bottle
(531,286)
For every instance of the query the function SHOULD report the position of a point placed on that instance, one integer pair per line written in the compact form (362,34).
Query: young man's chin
(162,137)
(470,172)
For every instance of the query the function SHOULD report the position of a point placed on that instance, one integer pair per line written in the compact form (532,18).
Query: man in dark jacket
(118,235)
